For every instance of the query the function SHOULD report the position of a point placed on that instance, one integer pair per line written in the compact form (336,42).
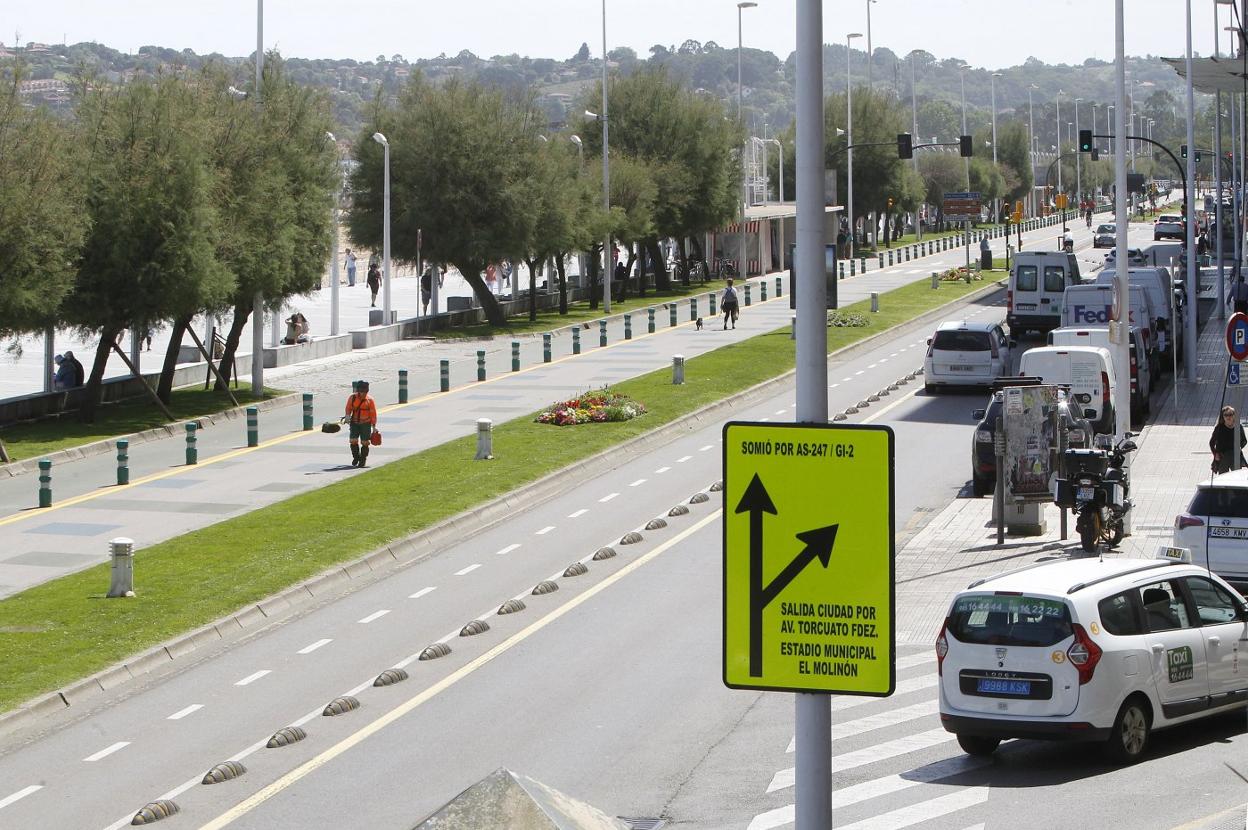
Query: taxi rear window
(1009,620)
(1231,502)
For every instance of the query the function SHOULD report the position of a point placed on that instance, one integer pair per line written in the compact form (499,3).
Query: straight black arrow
(756,502)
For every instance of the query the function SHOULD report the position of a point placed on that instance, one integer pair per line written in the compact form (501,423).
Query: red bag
(375,438)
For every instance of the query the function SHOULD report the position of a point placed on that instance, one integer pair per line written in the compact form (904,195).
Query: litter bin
(985,255)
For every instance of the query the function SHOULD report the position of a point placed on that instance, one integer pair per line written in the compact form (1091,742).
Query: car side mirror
(929,341)
(1241,613)
(1089,413)
(1013,341)
(978,414)
(1129,446)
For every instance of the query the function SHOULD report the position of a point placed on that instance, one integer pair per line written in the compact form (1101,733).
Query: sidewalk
(166,498)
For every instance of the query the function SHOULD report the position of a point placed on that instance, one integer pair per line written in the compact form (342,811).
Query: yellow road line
(442,685)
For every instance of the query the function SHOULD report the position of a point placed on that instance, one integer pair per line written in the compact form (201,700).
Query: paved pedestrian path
(166,497)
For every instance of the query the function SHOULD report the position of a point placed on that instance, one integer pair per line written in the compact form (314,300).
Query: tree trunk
(563,283)
(662,279)
(532,263)
(632,260)
(641,270)
(164,388)
(595,287)
(91,394)
(489,303)
(242,311)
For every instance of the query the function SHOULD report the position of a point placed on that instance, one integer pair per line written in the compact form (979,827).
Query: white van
(1141,374)
(1157,282)
(1037,281)
(1090,305)
(1087,370)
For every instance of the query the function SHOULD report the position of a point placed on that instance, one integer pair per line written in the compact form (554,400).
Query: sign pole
(812,711)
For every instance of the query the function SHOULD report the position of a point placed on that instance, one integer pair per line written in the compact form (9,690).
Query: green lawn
(38,438)
(63,630)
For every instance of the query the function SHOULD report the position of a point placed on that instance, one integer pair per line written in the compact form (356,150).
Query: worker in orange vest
(362,417)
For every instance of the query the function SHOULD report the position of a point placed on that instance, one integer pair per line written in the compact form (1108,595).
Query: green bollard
(762,291)
(628,327)
(650,319)
(480,364)
(444,372)
(779,287)
(192,452)
(747,293)
(253,426)
(881,258)
(45,482)
(402,392)
(712,296)
(307,404)
(671,315)
(515,355)
(123,461)
(546,347)
(602,333)
(693,308)
(576,340)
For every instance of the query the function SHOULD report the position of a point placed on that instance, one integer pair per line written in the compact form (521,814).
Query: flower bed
(847,319)
(597,406)
(959,275)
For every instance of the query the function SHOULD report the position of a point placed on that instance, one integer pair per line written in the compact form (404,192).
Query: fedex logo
(1094,315)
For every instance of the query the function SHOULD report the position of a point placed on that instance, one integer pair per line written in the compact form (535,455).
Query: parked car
(1141,373)
(1214,527)
(1088,371)
(1169,226)
(965,353)
(1034,296)
(1135,256)
(1091,304)
(1079,434)
(1105,236)
(1091,649)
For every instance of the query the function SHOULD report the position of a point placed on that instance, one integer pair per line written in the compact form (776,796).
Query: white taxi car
(1215,526)
(1091,650)
(965,353)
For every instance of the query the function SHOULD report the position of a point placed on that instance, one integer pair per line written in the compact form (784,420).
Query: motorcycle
(1096,489)
(1068,245)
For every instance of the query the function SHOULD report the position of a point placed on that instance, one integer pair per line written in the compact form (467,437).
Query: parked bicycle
(727,268)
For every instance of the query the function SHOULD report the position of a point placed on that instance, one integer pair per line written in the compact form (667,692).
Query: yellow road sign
(1060,200)
(808,558)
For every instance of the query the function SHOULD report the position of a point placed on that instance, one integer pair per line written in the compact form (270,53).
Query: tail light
(996,352)
(1104,391)
(942,648)
(1084,654)
(1009,299)
(930,346)
(1135,374)
(1184,521)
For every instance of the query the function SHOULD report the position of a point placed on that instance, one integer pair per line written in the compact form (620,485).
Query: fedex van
(1091,305)
(1088,371)
(1038,279)
(1157,283)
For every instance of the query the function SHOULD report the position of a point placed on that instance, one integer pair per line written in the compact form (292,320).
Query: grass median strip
(63,630)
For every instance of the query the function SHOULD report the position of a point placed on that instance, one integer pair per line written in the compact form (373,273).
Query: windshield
(961,341)
(1009,620)
(1105,229)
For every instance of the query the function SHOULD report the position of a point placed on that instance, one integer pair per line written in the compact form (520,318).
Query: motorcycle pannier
(1085,462)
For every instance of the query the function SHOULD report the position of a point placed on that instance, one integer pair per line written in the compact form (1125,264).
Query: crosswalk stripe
(880,752)
(840,704)
(924,810)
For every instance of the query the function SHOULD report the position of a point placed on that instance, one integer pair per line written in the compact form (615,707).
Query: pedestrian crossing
(884,773)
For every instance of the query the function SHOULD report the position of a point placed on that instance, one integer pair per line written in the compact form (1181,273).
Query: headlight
(983,436)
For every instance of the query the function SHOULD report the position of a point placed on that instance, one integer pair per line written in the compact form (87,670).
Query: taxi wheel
(978,745)
(1129,737)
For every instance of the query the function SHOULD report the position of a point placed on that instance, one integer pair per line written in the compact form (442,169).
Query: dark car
(983,459)
(1169,226)
(1105,236)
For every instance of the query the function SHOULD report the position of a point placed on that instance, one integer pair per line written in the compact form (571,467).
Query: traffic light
(1198,157)
(1183,151)
(904,149)
(964,146)
(1085,141)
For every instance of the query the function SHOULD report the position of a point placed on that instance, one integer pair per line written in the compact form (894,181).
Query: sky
(984,33)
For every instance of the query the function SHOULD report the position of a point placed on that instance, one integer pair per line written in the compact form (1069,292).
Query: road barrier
(602,333)
(253,426)
(402,393)
(875,302)
(576,340)
(444,375)
(192,452)
(693,308)
(628,327)
(779,287)
(650,320)
(671,314)
(747,293)
(546,347)
(712,298)
(480,365)
(45,482)
(307,401)
(762,291)
(123,461)
(515,355)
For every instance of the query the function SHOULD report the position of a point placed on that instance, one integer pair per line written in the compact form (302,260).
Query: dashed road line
(507,550)
(544,531)
(308,649)
(607,497)
(252,678)
(576,514)
(683,459)
(181,713)
(468,569)
(106,751)
(19,795)
(661,471)
(376,615)
(707,447)
(422,592)
(638,482)
(782,412)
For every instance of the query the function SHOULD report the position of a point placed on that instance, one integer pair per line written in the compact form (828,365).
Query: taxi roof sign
(808,551)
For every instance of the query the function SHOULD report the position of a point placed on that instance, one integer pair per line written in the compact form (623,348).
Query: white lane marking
(578,513)
(25,791)
(860,372)
(764,419)
(352,692)
(607,497)
(106,751)
(376,615)
(872,366)
(774,818)
(181,713)
(924,810)
(840,703)
(891,406)
(422,592)
(683,459)
(252,678)
(310,716)
(545,530)
(782,412)
(979,826)
(707,447)
(638,482)
(661,470)
(890,784)
(894,354)
(883,359)
(468,569)
(916,659)
(879,752)
(846,380)
(308,649)
(509,548)
(260,744)
(833,386)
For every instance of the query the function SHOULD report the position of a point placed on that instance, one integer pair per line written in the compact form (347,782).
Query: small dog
(698,323)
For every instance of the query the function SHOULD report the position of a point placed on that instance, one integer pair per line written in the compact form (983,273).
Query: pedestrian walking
(728,304)
(1239,296)
(362,419)
(374,282)
(426,288)
(1222,443)
(350,267)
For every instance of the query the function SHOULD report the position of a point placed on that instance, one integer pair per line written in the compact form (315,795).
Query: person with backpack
(728,305)
(362,418)
(374,282)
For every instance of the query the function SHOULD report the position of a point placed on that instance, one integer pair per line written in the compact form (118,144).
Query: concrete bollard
(602,333)
(875,302)
(121,552)
(713,298)
(793,328)
(123,461)
(935,280)
(253,426)
(762,291)
(671,315)
(628,326)
(678,369)
(480,365)
(444,375)
(747,293)
(862,265)
(650,319)
(485,439)
(546,347)
(402,393)
(907,253)
(881,258)
(693,308)
(307,402)
(779,287)
(45,482)
(192,452)
(576,340)
(515,355)
(853,267)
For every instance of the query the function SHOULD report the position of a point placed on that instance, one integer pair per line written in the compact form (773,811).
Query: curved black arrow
(818,546)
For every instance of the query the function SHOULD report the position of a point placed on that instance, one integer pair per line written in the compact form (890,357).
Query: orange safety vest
(361,409)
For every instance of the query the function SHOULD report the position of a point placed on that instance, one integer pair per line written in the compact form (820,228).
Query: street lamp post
(385,230)
(257,303)
(1078,166)
(606,174)
(334,308)
(869,52)
(996,214)
(780,149)
(1031,144)
(742,270)
(1109,126)
(849,138)
(962,77)
(1189,333)
(1058,101)
(914,131)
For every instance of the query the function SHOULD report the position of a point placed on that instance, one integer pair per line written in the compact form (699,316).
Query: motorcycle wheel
(1116,534)
(1086,525)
